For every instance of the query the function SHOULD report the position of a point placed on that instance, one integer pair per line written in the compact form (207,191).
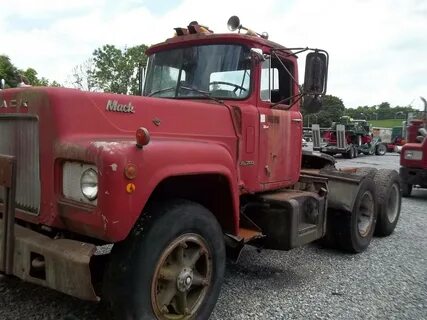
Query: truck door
(280,126)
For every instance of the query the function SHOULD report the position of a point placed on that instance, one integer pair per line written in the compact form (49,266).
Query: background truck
(349,138)
(413,156)
(393,138)
(137,200)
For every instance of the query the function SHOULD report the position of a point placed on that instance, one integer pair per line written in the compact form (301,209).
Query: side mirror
(311,103)
(316,73)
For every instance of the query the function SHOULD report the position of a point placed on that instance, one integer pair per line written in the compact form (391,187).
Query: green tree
(333,108)
(30,76)
(379,112)
(116,70)
(14,76)
(8,72)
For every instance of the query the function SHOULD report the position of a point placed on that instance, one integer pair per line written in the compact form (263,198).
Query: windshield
(219,71)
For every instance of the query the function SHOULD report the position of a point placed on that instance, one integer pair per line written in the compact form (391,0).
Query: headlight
(89,184)
(413,155)
(80,182)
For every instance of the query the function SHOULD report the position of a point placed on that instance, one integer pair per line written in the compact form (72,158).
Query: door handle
(297,120)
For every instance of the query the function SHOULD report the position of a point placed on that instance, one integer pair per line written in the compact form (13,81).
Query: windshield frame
(251,70)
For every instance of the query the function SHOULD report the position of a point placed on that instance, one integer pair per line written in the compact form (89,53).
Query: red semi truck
(413,157)
(207,160)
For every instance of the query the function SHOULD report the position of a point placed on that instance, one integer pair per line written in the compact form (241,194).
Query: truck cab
(259,90)
(413,158)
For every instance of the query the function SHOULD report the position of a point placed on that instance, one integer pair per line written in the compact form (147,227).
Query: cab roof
(213,38)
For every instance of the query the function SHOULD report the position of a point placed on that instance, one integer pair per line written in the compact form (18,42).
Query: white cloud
(378,48)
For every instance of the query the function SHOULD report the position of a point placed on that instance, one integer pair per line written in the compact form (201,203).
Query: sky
(378,48)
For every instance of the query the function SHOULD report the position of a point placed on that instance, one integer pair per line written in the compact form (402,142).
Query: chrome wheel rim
(182,278)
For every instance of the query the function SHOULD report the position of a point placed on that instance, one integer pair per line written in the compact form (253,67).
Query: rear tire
(387,184)
(406,190)
(171,266)
(353,231)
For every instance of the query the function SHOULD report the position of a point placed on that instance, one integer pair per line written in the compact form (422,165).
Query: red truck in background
(208,160)
(349,138)
(413,157)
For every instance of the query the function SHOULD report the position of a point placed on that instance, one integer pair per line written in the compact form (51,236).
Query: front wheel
(381,149)
(171,267)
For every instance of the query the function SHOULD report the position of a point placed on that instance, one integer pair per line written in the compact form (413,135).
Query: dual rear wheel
(376,211)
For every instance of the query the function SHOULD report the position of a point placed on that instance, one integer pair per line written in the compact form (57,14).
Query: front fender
(160,159)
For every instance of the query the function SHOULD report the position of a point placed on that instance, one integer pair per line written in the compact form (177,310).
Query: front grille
(19,137)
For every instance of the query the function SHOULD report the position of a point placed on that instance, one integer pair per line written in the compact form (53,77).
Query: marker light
(130,171)
(142,137)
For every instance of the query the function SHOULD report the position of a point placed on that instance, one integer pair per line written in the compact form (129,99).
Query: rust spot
(237,118)
(273,119)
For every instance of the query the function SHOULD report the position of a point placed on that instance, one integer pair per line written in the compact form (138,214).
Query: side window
(276,83)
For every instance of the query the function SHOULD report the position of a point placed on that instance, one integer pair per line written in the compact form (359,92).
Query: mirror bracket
(259,54)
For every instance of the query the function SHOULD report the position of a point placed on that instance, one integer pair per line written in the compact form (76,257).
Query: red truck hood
(78,113)
(45,126)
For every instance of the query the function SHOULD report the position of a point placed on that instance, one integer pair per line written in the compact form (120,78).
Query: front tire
(170,267)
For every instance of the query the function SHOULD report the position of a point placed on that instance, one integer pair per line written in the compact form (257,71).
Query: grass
(386,123)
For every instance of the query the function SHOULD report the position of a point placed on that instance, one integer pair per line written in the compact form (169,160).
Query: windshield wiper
(203,93)
(161,90)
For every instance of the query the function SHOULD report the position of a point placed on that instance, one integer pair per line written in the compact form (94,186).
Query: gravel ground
(388,281)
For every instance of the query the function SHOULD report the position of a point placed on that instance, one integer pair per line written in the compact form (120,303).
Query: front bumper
(60,264)
(413,176)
